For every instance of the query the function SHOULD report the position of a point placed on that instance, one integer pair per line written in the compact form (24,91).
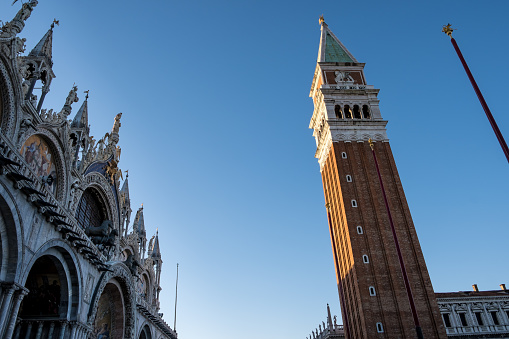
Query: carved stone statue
(151,243)
(107,241)
(26,10)
(101,230)
(118,150)
(72,96)
(116,124)
(343,77)
(131,263)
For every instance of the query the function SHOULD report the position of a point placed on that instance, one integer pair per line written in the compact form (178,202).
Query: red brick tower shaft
(374,299)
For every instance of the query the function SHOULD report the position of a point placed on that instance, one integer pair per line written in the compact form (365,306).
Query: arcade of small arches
(352,111)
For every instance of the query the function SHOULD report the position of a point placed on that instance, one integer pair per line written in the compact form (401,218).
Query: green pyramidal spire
(331,49)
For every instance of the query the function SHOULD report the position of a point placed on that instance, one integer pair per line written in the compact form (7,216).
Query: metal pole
(176,287)
(448,30)
(398,250)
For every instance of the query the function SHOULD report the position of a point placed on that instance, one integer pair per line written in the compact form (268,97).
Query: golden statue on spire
(321,20)
(447,29)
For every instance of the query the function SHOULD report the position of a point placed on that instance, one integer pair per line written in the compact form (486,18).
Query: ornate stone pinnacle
(448,30)
(321,20)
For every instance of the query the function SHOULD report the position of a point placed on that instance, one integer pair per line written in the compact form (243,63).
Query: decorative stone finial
(55,22)
(116,124)
(16,25)
(321,20)
(86,94)
(72,96)
(448,30)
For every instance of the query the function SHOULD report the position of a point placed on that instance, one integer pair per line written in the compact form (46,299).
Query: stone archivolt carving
(121,273)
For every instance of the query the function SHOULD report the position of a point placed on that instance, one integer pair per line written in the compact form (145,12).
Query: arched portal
(145,333)
(109,320)
(46,305)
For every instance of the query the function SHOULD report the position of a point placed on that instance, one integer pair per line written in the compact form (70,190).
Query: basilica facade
(69,266)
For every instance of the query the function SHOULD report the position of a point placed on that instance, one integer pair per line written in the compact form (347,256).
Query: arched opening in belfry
(109,319)
(348,112)
(338,112)
(365,112)
(357,112)
(45,308)
(145,333)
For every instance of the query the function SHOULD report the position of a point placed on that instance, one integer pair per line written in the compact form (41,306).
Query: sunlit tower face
(373,297)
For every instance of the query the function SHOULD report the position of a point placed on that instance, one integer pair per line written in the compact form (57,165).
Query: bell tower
(374,298)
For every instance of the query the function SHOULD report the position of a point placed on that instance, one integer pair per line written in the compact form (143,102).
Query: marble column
(39,329)
(18,330)
(29,330)
(51,329)
(4,311)
(73,330)
(14,314)
(63,326)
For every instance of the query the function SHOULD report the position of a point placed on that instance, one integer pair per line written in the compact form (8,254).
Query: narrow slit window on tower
(379,328)
(494,317)
(348,178)
(348,112)
(339,113)
(359,230)
(478,317)
(365,259)
(447,319)
(463,319)
(372,291)
(357,112)
(343,155)
(365,112)
(354,203)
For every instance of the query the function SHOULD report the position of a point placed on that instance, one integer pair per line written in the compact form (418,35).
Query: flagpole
(176,287)
(448,30)
(398,250)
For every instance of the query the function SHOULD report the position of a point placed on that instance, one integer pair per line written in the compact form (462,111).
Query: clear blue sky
(215,137)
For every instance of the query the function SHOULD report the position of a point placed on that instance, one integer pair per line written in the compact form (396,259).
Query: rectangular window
(495,317)
(463,319)
(447,319)
(478,317)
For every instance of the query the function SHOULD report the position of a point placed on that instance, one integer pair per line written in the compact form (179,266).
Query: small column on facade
(74,326)
(9,290)
(40,325)
(63,326)
(51,330)
(14,314)
(18,330)
(29,330)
